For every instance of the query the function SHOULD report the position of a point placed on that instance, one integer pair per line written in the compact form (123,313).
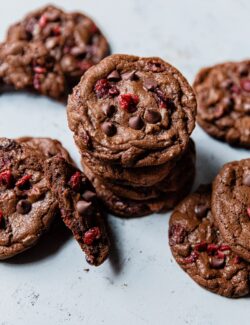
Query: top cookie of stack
(129,115)
(132,111)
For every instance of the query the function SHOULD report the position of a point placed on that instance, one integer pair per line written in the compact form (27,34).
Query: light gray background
(141,284)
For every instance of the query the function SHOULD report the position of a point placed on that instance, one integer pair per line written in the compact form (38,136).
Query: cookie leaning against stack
(132,119)
(209,232)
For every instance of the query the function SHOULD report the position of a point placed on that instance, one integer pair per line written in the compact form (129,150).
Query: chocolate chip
(131,75)
(84,207)
(246,180)
(135,122)
(109,129)
(23,207)
(114,76)
(217,262)
(108,109)
(89,196)
(152,116)
(150,84)
(200,210)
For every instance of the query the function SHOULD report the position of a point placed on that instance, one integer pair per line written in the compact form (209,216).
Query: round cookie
(200,250)
(132,111)
(72,39)
(27,206)
(29,66)
(128,208)
(231,205)
(223,96)
(79,208)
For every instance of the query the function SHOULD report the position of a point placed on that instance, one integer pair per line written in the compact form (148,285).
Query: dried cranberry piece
(1,219)
(23,182)
(39,70)
(201,247)
(235,89)
(76,181)
(177,234)
(6,178)
(37,81)
(101,88)
(191,258)
(128,102)
(212,249)
(236,260)
(245,84)
(43,21)
(248,211)
(91,235)
(224,247)
(57,30)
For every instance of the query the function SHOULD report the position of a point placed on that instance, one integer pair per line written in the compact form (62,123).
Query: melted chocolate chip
(131,75)
(23,207)
(200,210)
(89,196)
(114,76)
(152,116)
(108,109)
(217,262)
(109,129)
(136,122)
(84,207)
(150,84)
(246,180)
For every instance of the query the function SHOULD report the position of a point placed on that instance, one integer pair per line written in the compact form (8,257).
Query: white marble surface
(140,284)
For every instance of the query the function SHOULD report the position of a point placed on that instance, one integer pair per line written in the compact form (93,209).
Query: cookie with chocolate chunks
(199,248)
(223,95)
(80,209)
(27,206)
(72,39)
(231,205)
(132,111)
(29,66)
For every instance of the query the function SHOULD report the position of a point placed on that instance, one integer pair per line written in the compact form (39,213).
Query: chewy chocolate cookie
(80,209)
(72,39)
(223,95)
(29,66)
(231,205)
(132,111)
(199,248)
(27,206)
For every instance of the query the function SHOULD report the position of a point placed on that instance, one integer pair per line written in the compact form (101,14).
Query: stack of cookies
(209,232)
(132,119)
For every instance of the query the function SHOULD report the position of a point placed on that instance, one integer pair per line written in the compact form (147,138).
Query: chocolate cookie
(132,111)
(198,247)
(223,95)
(182,173)
(29,66)
(49,147)
(27,206)
(72,39)
(129,208)
(231,205)
(79,208)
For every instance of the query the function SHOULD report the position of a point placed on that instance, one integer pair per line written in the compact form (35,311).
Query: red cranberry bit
(93,28)
(245,84)
(191,258)
(212,249)
(224,247)
(128,102)
(91,235)
(219,254)
(39,70)
(177,234)
(24,181)
(37,81)
(43,21)
(101,88)
(248,211)
(57,30)
(201,247)
(6,178)
(236,260)
(1,218)
(235,89)
(75,181)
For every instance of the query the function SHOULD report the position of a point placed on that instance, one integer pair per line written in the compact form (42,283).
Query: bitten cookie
(223,95)
(80,209)
(72,39)
(231,205)
(27,206)
(198,247)
(132,111)
(29,66)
